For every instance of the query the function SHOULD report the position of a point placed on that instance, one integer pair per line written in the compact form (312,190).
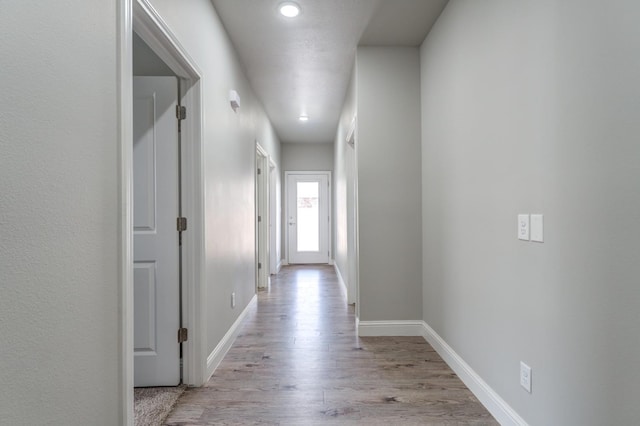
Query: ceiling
(301,66)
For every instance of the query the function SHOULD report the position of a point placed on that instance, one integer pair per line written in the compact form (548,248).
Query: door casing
(141,15)
(329,211)
(262,212)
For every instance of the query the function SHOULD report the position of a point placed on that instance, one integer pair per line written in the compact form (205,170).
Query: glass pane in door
(308,216)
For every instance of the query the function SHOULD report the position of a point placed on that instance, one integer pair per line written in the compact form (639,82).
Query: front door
(155,245)
(308,217)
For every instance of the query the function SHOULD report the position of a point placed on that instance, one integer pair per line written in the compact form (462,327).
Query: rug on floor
(151,406)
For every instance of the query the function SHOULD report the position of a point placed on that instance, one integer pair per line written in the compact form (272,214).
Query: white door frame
(330,212)
(148,24)
(274,262)
(262,212)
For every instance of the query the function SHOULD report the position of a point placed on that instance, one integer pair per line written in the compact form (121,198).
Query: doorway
(308,206)
(166,56)
(262,218)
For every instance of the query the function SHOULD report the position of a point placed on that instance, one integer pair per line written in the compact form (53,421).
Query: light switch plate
(525,376)
(523,227)
(537,228)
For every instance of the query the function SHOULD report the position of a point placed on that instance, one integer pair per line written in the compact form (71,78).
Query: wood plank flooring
(298,361)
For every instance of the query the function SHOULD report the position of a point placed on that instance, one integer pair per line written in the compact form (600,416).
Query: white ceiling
(303,65)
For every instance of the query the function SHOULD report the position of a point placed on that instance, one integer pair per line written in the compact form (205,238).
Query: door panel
(155,245)
(308,217)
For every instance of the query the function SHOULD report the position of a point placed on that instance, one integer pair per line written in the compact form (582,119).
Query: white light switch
(525,376)
(537,228)
(523,227)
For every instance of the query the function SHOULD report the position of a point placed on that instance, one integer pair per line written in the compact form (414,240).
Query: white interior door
(155,209)
(308,217)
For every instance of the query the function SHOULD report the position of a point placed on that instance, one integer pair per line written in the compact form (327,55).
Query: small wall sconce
(234,100)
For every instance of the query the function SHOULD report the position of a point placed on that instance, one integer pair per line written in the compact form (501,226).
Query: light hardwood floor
(298,361)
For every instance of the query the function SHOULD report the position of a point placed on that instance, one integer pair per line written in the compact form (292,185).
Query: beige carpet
(151,406)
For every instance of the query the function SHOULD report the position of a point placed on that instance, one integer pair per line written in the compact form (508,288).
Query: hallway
(297,361)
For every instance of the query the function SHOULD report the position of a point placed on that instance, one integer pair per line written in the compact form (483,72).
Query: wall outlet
(523,227)
(525,376)
(233,300)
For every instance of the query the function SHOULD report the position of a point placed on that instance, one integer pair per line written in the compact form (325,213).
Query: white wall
(344,195)
(59,291)
(389,206)
(307,157)
(532,107)
(229,162)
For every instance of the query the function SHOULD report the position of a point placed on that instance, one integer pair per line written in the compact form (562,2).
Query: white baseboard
(216,356)
(390,328)
(331,262)
(497,406)
(340,279)
(279,266)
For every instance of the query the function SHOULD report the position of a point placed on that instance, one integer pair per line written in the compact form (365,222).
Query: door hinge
(183,335)
(259,265)
(181,112)
(259,218)
(259,171)
(182,224)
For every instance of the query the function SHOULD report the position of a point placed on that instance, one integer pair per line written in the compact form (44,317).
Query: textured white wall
(389,206)
(229,163)
(532,107)
(59,313)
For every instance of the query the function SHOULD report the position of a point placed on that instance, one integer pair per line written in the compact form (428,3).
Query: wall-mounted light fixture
(234,100)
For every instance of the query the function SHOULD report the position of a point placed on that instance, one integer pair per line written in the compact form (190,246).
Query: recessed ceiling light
(289,9)
(303,118)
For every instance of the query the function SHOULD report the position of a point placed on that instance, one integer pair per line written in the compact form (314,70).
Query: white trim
(193,243)
(390,328)
(125,227)
(497,406)
(262,209)
(280,265)
(340,279)
(216,356)
(155,32)
(274,217)
(152,29)
(328,174)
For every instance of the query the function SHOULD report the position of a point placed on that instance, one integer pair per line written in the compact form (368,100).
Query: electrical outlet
(525,376)
(233,300)
(523,227)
